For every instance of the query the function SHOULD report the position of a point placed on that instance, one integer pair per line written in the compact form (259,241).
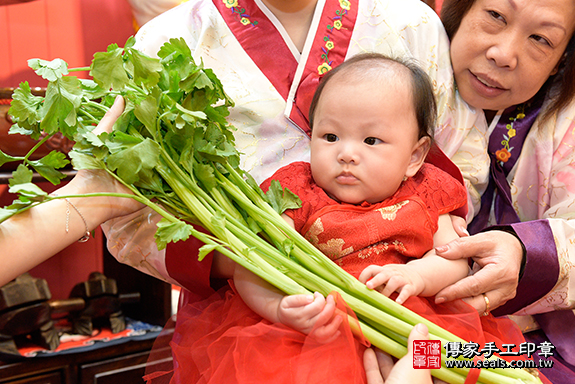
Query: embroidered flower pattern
(333,248)
(390,213)
(329,44)
(504,154)
(241,12)
(345,4)
(323,68)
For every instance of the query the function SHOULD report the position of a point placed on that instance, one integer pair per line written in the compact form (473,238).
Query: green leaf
(108,68)
(150,181)
(21,175)
(205,250)
(16,129)
(146,69)
(6,213)
(147,112)
(29,190)
(83,161)
(134,160)
(58,114)
(4,158)
(49,70)
(197,80)
(169,232)
(24,111)
(205,173)
(282,199)
(193,114)
(48,165)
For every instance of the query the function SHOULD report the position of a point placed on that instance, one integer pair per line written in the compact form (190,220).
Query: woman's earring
(404,178)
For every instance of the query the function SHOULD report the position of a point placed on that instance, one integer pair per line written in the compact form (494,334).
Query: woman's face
(504,50)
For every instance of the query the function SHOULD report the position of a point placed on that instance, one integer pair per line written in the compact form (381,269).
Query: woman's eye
(541,39)
(372,141)
(330,137)
(496,15)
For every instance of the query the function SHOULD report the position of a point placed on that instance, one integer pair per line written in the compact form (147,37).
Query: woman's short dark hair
(562,84)
(421,87)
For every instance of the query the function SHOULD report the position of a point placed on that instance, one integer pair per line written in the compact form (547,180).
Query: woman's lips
(485,87)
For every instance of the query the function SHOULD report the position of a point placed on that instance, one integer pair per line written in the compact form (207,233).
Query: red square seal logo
(426,354)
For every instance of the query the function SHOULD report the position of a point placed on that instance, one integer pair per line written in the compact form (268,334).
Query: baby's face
(363,138)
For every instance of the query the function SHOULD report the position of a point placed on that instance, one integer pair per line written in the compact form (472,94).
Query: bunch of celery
(173,148)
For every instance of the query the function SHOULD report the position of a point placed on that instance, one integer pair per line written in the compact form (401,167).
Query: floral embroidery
(377,249)
(333,248)
(345,4)
(241,12)
(329,44)
(323,68)
(389,213)
(399,247)
(504,154)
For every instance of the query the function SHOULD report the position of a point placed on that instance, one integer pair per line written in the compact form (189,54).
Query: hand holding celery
(174,150)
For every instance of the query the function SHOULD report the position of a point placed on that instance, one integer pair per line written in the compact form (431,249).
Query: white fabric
(543,187)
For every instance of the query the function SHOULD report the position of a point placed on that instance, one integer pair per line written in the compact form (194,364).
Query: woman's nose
(504,52)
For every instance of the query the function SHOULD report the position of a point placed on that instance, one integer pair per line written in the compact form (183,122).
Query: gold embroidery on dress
(333,248)
(390,213)
(373,249)
(399,247)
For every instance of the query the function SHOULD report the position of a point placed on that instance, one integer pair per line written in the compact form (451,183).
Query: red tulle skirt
(220,340)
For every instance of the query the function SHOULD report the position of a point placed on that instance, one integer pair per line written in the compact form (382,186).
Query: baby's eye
(372,141)
(330,137)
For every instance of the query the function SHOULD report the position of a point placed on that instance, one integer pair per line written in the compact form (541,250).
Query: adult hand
(498,254)
(459,225)
(93,181)
(380,369)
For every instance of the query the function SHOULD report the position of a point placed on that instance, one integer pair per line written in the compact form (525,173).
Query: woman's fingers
(374,371)
(107,122)
(498,255)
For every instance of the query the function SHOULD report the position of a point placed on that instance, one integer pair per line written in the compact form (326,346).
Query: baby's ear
(418,156)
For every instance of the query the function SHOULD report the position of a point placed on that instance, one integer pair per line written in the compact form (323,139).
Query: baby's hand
(393,278)
(311,315)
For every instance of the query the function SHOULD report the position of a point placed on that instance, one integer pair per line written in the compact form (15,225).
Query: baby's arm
(420,277)
(304,313)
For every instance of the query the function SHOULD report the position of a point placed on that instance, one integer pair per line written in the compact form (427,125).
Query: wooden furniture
(123,363)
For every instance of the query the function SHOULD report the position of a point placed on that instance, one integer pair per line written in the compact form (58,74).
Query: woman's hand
(380,368)
(93,181)
(499,255)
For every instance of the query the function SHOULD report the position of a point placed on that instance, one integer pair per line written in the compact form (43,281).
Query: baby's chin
(346,199)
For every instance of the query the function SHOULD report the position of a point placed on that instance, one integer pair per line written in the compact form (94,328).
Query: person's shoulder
(431,175)
(407,12)
(296,175)
(185,20)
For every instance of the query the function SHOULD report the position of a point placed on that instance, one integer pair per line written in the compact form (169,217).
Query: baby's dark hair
(365,66)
